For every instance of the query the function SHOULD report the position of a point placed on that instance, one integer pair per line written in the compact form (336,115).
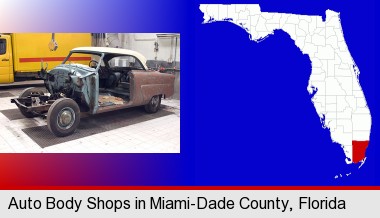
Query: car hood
(79,70)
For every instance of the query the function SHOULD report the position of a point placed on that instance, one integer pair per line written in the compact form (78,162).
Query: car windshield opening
(93,58)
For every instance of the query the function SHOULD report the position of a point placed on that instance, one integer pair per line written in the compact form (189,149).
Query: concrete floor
(154,135)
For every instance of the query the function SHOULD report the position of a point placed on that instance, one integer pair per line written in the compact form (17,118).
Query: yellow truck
(21,54)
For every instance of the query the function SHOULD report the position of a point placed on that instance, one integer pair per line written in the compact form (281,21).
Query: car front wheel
(63,117)
(154,104)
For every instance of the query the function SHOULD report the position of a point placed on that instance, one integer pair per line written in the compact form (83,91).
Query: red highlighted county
(358,150)
(331,87)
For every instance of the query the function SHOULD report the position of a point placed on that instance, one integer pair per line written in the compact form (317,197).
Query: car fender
(146,84)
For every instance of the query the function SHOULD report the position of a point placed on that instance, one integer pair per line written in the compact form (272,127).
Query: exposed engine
(64,80)
(59,81)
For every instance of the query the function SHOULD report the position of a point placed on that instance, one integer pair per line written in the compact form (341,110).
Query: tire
(63,117)
(25,93)
(154,104)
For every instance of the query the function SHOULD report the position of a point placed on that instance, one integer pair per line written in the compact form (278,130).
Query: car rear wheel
(28,92)
(154,104)
(63,117)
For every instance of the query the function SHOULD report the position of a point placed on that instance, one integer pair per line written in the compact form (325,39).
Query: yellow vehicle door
(6,68)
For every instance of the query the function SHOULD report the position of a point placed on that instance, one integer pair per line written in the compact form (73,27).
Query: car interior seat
(113,80)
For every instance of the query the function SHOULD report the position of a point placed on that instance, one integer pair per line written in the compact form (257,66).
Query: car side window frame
(128,56)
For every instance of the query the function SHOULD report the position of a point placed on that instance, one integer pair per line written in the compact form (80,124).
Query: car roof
(113,51)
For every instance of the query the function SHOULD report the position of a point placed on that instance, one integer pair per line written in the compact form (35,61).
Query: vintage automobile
(114,79)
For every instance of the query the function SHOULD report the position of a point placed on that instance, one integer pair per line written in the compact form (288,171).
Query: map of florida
(334,81)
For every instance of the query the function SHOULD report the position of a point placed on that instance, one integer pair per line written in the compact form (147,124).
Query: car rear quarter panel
(146,84)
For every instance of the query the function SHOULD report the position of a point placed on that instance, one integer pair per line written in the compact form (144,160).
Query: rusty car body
(114,79)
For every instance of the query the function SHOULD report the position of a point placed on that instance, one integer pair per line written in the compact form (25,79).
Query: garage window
(3,46)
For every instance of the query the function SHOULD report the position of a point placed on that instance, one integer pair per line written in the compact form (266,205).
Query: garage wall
(144,43)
